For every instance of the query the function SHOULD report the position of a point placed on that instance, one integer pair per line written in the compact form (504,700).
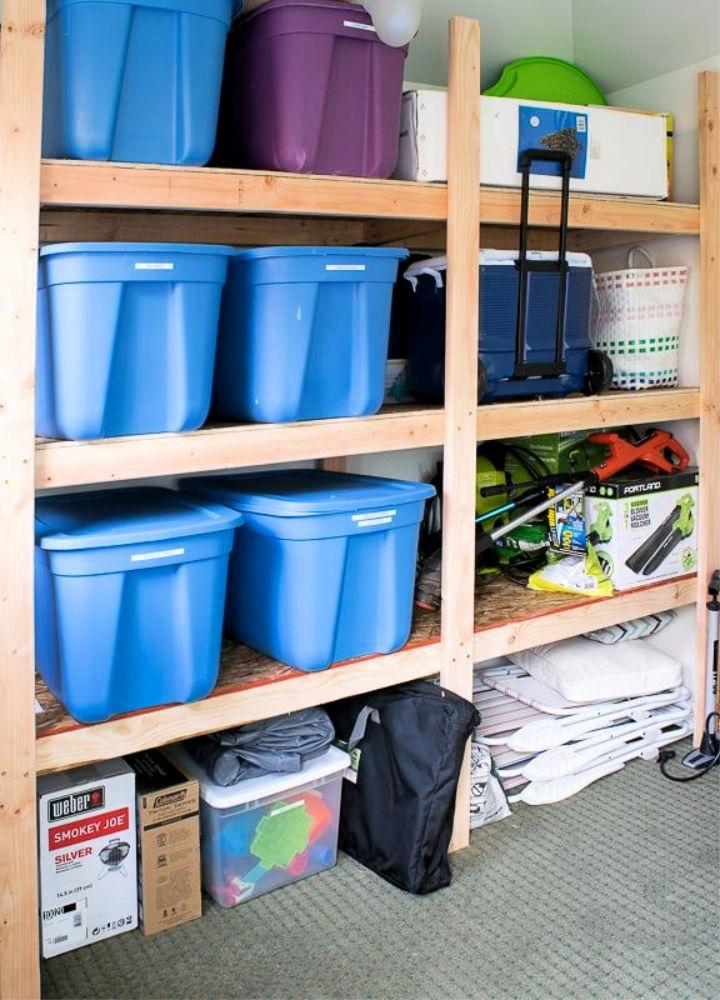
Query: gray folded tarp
(279,744)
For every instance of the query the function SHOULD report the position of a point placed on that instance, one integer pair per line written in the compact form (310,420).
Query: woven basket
(638,313)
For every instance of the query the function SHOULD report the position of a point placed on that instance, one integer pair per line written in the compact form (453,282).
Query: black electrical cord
(666,755)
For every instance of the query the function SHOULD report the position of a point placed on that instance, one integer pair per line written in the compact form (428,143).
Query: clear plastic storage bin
(267,832)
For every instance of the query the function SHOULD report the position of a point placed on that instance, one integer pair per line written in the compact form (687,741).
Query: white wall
(510,29)
(675,91)
(623,42)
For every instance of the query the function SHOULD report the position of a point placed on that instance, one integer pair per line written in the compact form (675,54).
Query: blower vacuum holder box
(168,824)
(616,152)
(87,855)
(648,527)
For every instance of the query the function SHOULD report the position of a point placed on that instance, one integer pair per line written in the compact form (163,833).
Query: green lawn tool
(677,526)
(601,528)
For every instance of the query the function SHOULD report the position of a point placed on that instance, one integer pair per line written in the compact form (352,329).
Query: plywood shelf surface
(85,184)
(507,617)
(81,463)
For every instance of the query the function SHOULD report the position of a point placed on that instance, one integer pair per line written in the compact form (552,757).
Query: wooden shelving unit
(59,200)
(507,618)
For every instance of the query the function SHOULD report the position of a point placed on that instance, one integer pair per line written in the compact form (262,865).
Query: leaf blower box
(644,528)
(168,814)
(87,855)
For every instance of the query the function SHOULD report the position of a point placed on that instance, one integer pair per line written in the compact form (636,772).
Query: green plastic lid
(544,78)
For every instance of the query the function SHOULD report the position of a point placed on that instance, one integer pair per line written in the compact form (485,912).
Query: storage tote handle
(523,368)
(643,251)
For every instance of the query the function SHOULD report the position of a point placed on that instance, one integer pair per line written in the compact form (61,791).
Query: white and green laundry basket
(638,315)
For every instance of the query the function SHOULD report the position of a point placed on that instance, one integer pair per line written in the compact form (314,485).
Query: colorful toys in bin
(287,838)
(266,832)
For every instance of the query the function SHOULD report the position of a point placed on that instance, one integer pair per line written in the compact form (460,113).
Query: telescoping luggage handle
(524,368)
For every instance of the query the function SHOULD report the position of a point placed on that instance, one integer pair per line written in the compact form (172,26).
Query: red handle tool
(659,451)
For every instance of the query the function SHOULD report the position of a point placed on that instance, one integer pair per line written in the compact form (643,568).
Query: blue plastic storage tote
(134,80)
(127,334)
(304,333)
(323,567)
(499,284)
(129,598)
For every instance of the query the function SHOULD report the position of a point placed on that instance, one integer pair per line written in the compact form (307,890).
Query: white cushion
(584,671)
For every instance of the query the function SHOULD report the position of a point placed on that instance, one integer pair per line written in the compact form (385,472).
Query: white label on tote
(165,554)
(152,266)
(344,267)
(360,26)
(374,519)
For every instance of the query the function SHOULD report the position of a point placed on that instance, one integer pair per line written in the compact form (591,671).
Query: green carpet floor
(610,894)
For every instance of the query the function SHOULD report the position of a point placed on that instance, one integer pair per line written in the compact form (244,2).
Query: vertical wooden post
(709,506)
(461,365)
(338,464)
(21,77)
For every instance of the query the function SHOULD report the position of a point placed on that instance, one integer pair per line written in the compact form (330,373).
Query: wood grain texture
(251,686)
(709,500)
(578,615)
(85,184)
(119,185)
(76,463)
(287,692)
(461,374)
(21,78)
(612,409)
(58,225)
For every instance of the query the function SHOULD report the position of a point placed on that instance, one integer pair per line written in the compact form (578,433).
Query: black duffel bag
(397,818)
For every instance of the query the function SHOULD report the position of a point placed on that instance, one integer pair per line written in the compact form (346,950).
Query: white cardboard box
(625,152)
(652,526)
(87,855)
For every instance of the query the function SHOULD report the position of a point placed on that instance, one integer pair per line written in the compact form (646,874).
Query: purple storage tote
(309,88)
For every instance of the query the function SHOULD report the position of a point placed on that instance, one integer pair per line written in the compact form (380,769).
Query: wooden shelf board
(251,686)
(538,618)
(613,409)
(78,463)
(86,184)
(115,185)
(81,463)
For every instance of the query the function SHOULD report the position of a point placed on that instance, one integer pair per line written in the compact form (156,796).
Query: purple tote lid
(355,11)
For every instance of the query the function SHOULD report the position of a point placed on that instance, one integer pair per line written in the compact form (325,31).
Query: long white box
(621,152)
(87,855)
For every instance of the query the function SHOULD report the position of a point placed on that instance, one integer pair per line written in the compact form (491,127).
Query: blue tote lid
(51,249)
(302,492)
(126,517)
(218,10)
(394,253)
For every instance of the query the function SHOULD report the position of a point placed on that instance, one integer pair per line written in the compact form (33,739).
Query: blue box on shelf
(129,592)
(323,567)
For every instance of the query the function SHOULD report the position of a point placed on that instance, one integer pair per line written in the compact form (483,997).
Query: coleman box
(169,843)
